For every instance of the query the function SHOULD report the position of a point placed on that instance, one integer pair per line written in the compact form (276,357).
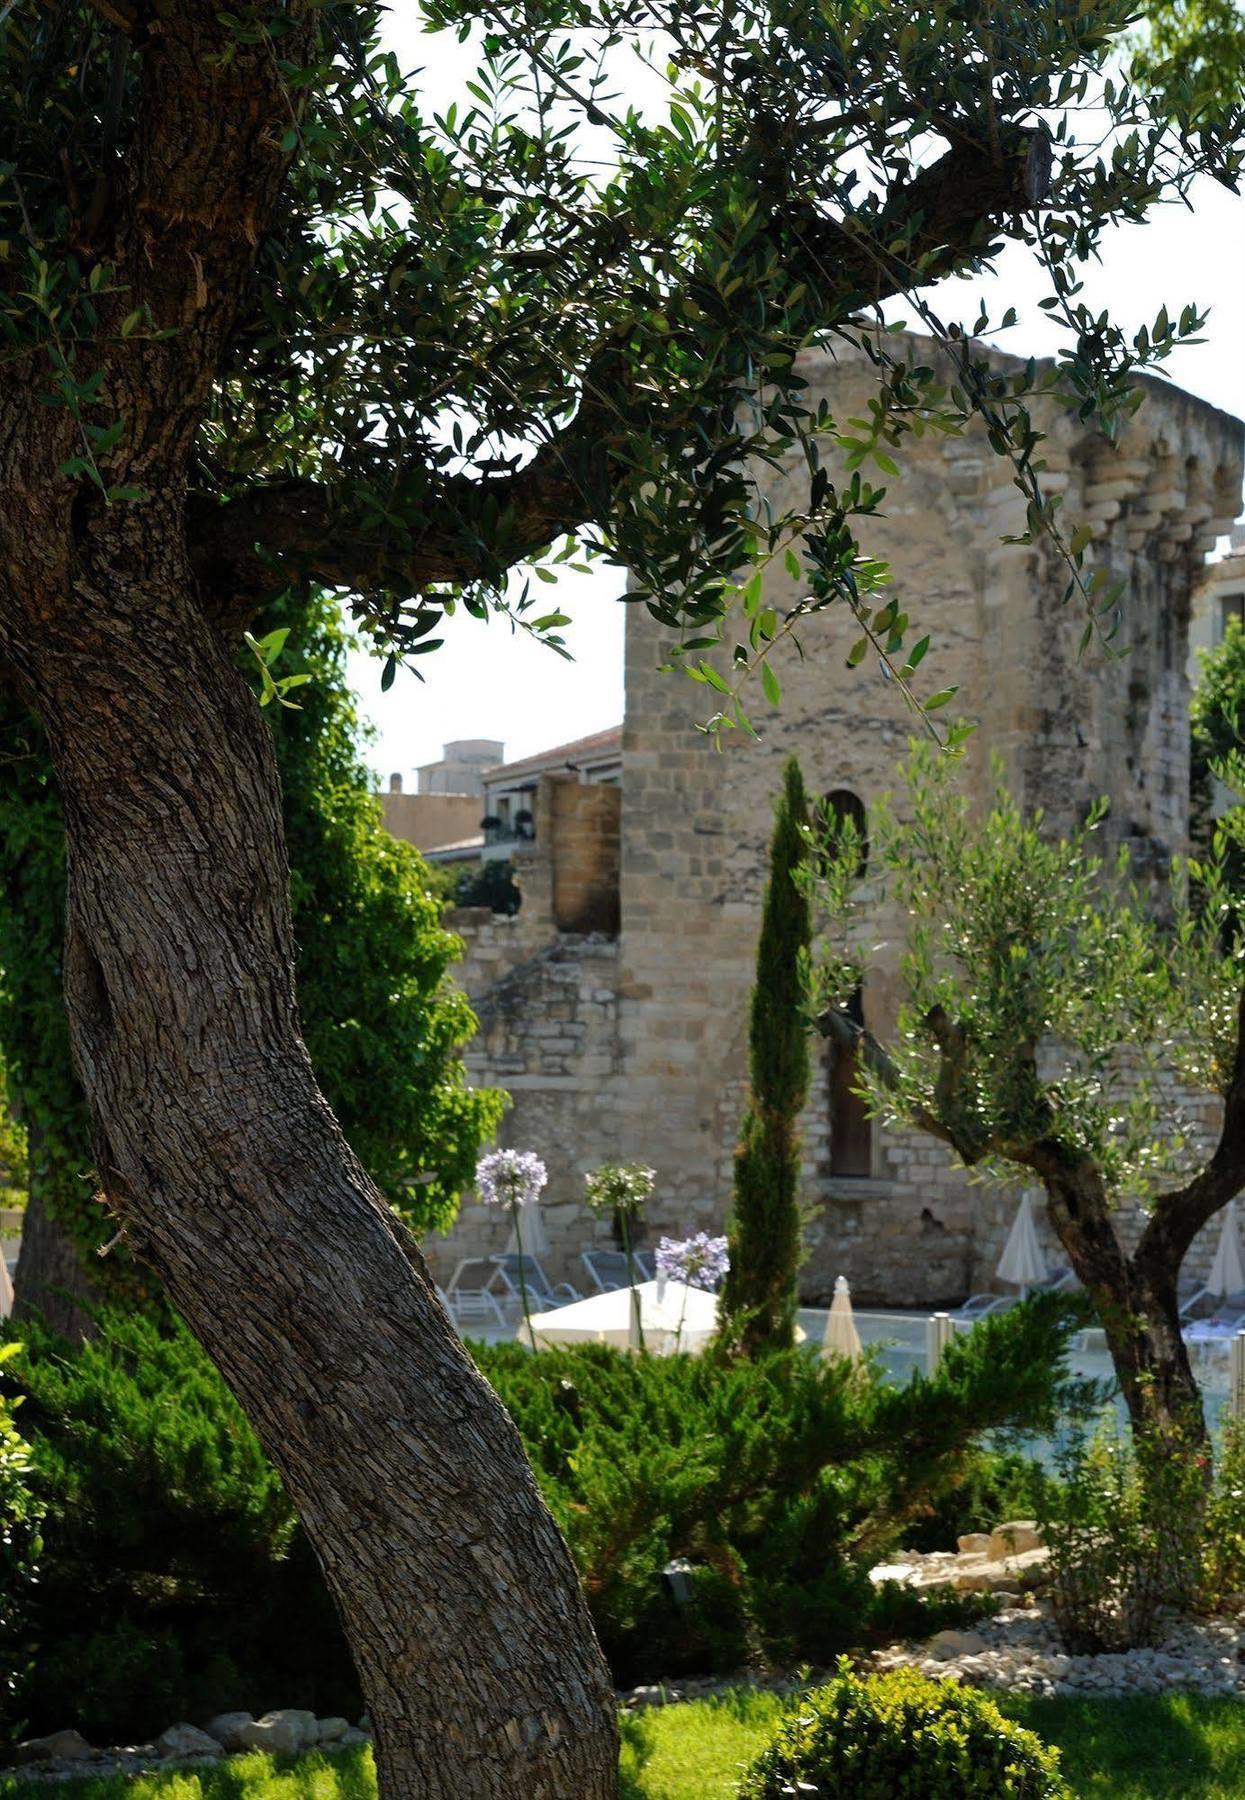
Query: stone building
(622,1033)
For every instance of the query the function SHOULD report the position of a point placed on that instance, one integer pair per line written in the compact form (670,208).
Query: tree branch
(1179,1215)
(284,533)
(938,223)
(845,1034)
(294,530)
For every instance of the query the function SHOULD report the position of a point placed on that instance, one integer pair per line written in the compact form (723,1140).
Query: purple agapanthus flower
(510,1177)
(700,1260)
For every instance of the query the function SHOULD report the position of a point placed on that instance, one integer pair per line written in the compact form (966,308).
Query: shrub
(20,1514)
(779,1483)
(1126,1540)
(1223,1562)
(902,1734)
(992,1485)
(174,1581)
(491,884)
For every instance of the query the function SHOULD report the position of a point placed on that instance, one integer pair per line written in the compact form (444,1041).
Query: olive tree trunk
(230,1175)
(1135,1296)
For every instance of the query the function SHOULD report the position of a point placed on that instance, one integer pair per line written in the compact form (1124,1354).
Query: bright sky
(488,681)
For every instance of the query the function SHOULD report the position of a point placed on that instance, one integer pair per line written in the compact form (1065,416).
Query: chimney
(395,784)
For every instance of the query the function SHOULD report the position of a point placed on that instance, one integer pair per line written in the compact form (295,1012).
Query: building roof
(599,746)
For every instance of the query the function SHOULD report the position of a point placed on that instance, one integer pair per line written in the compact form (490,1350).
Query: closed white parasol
(535,1237)
(1022,1262)
(1227,1272)
(841,1336)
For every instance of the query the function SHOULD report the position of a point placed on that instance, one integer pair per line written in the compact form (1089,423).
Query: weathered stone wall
(696,819)
(584,850)
(430,820)
(548,1010)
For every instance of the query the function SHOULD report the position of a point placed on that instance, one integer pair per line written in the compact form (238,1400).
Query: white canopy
(1227,1272)
(1022,1262)
(841,1337)
(673,1317)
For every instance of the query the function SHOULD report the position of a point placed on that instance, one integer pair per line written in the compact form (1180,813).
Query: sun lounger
(542,1294)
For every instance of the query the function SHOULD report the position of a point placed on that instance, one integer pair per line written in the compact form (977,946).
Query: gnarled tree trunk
(1136,1298)
(231,1176)
(212,1142)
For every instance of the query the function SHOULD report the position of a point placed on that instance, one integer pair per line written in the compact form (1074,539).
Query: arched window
(842,807)
(851,1129)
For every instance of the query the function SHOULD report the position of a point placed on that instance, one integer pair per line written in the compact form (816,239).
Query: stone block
(187,1740)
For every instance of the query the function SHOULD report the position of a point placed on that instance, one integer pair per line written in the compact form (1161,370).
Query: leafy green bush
(779,1484)
(490,884)
(20,1544)
(1126,1536)
(902,1734)
(1223,1562)
(174,1581)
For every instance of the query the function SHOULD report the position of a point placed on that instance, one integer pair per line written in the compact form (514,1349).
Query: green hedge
(902,1737)
(175,1582)
(779,1482)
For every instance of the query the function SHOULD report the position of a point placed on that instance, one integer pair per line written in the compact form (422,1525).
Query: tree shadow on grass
(1156,1747)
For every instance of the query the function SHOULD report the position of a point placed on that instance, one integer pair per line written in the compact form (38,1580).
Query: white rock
(226,1726)
(352,1735)
(187,1740)
(332,1729)
(973,1543)
(279,1733)
(1012,1538)
(57,1746)
(955,1643)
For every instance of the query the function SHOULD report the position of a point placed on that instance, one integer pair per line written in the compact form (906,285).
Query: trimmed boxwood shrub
(902,1736)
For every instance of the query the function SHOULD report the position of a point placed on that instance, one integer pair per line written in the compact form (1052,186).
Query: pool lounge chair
(1223,1324)
(542,1294)
(467,1305)
(980,1306)
(607,1269)
(1189,1294)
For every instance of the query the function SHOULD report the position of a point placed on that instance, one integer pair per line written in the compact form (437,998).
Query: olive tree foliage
(1201,41)
(13,1148)
(546,321)
(1058,1020)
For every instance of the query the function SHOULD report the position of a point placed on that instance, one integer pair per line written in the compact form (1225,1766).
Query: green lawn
(1145,1749)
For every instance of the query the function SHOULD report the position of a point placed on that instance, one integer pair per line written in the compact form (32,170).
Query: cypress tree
(759,1298)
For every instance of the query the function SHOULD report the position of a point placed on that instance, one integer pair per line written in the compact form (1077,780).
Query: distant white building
(461,768)
(1218,597)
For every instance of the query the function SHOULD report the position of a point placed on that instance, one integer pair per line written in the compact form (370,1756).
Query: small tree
(1056,1021)
(763,1231)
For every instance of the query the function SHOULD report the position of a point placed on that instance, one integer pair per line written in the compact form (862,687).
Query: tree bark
(1136,1299)
(230,1175)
